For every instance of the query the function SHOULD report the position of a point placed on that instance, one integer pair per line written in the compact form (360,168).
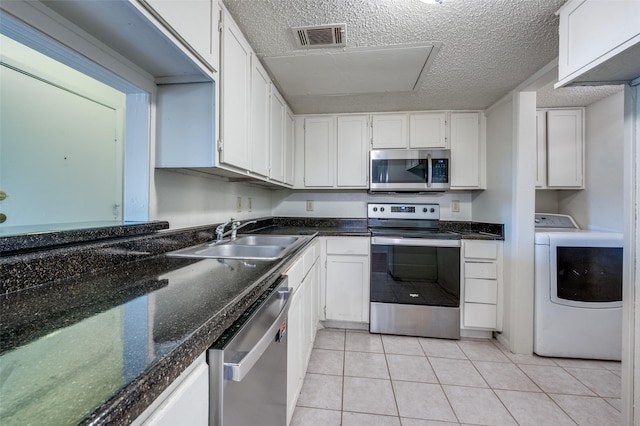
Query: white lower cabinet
(302,321)
(482,285)
(185,401)
(347,279)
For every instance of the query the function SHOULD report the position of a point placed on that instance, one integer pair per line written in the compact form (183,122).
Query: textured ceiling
(488,47)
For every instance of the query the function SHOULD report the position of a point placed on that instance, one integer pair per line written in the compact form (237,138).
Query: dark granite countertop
(93,332)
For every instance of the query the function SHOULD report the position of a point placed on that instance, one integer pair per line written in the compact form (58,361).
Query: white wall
(494,204)
(186,200)
(353,204)
(600,205)
(510,199)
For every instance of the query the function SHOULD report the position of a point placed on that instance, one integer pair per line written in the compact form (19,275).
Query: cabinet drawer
(486,270)
(481,250)
(480,291)
(480,315)
(348,246)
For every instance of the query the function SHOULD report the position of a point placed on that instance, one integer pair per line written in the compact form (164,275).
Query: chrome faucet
(220,234)
(236,225)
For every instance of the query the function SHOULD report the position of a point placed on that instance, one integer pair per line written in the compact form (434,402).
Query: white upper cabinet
(466,153)
(195,22)
(541,149)
(599,41)
(390,131)
(414,130)
(278,108)
(565,145)
(289,147)
(235,96)
(319,151)
(428,130)
(260,120)
(352,151)
(336,151)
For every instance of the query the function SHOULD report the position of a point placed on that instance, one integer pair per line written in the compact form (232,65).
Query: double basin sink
(259,247)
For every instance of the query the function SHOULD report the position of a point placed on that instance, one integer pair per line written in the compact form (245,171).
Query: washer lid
(551,222)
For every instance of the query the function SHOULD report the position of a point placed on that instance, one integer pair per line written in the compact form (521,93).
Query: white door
(260,104)
(347,288)
(235,96)
(428,130)
(564,148)
(44,147)
(353,150)
(389,131)
(319,156)
(465,150)
(278,107)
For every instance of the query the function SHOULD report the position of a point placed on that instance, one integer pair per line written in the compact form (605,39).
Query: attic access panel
(355,71)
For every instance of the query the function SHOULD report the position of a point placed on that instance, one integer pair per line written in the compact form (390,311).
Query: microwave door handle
(427,171)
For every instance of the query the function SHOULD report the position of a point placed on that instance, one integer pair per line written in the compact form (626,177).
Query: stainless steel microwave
(410,170)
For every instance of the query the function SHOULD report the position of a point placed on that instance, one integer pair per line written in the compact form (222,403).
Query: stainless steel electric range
(415,272)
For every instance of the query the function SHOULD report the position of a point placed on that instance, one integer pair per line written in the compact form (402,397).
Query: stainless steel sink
(265,240)
(258,247)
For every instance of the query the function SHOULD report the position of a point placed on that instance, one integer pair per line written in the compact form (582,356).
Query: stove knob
(432,210)
(375,209)
(424,210)
(381,209)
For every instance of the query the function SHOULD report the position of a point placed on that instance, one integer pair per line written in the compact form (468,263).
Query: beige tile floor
(357,378)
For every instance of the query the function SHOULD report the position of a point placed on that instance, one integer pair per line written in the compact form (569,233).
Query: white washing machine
(578,290)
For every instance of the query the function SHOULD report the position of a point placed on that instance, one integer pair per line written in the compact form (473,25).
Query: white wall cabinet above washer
(560,149)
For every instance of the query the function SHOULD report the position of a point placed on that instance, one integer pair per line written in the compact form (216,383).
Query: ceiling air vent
(331,35)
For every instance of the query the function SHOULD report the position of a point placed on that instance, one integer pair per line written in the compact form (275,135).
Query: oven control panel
(403,211)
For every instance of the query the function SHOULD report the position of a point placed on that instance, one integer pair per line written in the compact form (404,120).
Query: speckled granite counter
(92,333)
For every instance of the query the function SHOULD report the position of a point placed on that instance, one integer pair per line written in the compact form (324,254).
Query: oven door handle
(416,242)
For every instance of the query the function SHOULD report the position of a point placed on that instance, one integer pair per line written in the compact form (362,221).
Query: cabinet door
(465,150)
(389,131)
(195,22)
(594,31)
(278,107)
(541,149)
(347,288)
(295,349)
(235,96)
(260,104)
(564,148)
(353,150)
(319,151)
(188,403)
(289,147)
(428,130)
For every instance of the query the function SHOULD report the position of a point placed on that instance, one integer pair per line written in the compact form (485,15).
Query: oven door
(415,271)
(415,287)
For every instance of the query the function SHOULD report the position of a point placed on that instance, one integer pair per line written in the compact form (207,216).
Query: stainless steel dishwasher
(248,365)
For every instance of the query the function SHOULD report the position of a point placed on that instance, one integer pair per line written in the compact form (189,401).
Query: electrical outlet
(309,205)
(455,206)
(239,204)
(249,207)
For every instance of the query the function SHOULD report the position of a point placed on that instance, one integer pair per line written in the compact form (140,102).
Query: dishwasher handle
(236,371)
